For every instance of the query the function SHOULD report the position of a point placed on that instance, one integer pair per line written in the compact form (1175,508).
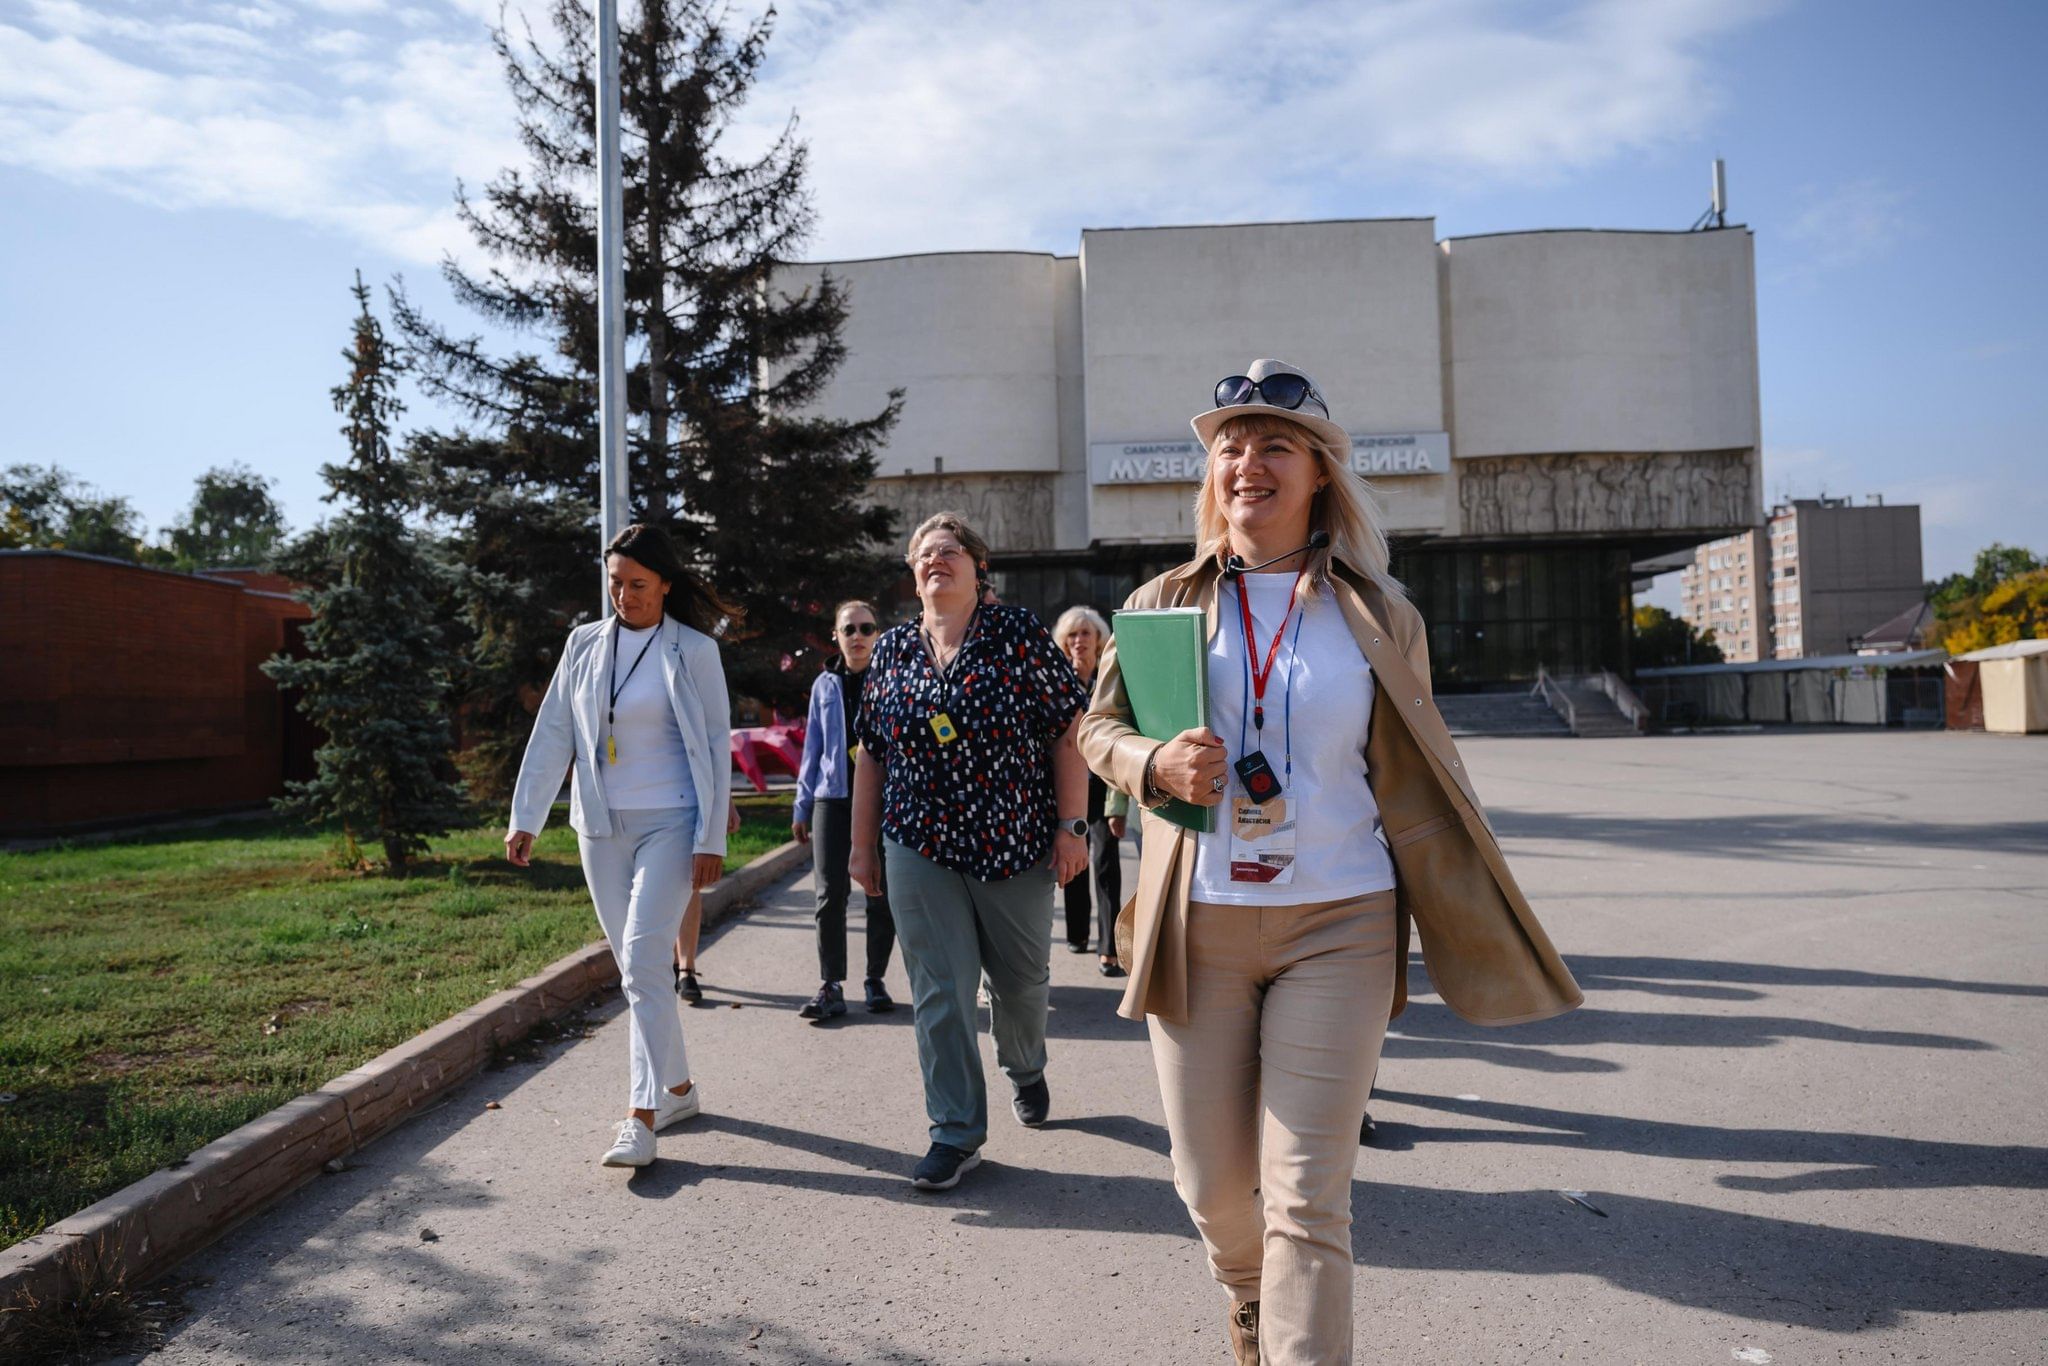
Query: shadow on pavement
(1708,979)
(542,1312)
(1781,837)
(1430,1021)
(1762,1269)
(1846,1161)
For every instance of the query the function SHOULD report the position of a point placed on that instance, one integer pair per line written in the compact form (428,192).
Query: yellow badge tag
(942,727)
(611,750)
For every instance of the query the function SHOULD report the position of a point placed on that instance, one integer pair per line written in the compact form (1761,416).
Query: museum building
(1544,415)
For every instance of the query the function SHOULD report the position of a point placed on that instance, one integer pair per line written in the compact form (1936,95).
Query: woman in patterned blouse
(967,759)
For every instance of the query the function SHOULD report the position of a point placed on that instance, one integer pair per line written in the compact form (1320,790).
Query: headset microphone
(1235,565)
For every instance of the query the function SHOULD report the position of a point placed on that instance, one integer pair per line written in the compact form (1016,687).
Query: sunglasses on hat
(1280,391)
(862,628)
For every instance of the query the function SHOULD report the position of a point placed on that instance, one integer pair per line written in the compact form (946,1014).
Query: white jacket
(568,734)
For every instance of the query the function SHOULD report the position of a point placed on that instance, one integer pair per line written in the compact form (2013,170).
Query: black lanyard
(611,719)
(932,644)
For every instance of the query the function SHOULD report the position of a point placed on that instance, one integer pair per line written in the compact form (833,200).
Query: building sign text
(1181,462)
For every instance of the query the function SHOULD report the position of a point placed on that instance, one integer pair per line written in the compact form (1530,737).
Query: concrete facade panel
(1169,311)
(1563,342)
(970,338)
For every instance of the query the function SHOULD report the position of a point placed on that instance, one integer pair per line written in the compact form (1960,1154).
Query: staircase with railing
(1598,705)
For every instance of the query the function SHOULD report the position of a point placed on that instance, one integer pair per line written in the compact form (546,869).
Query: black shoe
(1367,1130)
(1109,967)
(1077,948)
(829,1001)
(942,1167)
(1032,1103)
(687,988)
(880,1002)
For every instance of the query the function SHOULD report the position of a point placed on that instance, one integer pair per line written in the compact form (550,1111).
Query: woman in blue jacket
(823,816)
(637,715)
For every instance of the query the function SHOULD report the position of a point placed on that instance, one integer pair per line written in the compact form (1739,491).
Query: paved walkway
(1805,1095)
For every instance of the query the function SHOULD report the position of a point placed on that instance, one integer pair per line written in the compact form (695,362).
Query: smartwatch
(1076,827)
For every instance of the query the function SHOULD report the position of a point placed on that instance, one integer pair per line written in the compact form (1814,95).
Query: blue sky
(186,187)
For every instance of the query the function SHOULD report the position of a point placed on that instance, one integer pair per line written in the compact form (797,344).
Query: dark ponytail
(690,599)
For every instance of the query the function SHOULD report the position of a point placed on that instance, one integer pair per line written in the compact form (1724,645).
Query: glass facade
(1495,613)
(1101,579)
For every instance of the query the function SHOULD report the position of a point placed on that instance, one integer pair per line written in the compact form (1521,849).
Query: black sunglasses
(863,628)
(1280,391)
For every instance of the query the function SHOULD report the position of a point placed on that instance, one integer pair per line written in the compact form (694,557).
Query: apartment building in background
(1838,571)
(1723,591)
(1818,577)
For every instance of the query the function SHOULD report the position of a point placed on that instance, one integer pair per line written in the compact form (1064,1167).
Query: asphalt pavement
(1800,1118)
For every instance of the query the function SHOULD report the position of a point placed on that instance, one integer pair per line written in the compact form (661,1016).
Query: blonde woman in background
(1081,634)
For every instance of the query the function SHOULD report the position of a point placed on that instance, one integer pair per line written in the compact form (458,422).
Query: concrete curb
(140,1231)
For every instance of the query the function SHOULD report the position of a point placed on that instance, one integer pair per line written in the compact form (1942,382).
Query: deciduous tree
(233,521)
(1661,640)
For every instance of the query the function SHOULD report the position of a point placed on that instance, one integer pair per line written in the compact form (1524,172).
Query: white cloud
(173,111)
(338,42)
(1847,224)
(931,124)
(940,125)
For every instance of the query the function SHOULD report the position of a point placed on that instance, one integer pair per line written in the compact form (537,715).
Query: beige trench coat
(1487,956)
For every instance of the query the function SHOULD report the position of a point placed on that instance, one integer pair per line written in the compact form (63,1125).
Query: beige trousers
(1265,1087)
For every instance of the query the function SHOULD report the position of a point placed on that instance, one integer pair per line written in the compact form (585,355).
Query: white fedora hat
(1311,410)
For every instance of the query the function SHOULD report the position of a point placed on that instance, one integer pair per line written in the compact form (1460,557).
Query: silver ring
(1218,784)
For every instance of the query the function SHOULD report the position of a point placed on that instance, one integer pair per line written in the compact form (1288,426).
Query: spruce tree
(771,505)
(375,678)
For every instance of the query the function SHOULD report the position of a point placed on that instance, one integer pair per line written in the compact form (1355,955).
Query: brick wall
(128,692)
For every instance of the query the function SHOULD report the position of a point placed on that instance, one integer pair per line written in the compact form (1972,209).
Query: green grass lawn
(158,992)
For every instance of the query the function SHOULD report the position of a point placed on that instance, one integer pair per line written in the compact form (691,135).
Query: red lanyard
(1260,676)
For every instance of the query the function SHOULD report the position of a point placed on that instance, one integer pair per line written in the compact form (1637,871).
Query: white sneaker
(635,1147)
(674,1108)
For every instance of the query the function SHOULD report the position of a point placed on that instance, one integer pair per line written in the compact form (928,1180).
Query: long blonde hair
(1345,507)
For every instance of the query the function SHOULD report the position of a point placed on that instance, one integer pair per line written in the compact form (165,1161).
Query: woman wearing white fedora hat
(1268,956)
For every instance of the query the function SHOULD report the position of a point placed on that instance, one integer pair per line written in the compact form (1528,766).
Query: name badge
(944,729)
(1261,841)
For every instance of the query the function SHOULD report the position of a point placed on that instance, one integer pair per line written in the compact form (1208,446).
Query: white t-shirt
(1341,851)
(653,768)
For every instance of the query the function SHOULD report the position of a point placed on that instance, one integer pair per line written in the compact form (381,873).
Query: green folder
(1163,655)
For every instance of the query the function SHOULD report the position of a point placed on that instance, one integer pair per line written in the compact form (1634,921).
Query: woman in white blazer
(637,716)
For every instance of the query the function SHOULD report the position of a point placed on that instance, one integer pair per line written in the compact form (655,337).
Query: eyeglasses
(1281,391)
(939,552)
(858,628)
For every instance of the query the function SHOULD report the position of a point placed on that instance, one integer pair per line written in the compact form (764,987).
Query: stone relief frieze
(1539,494)
(1011,511)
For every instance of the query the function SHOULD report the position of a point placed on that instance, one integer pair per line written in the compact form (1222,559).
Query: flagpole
(614,497)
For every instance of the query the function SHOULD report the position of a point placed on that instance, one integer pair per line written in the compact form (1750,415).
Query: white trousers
(639,880)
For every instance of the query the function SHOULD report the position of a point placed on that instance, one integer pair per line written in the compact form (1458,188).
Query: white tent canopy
(1896,659)
(2018,649)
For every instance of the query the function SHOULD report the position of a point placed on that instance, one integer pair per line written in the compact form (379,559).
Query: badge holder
(1261,783)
